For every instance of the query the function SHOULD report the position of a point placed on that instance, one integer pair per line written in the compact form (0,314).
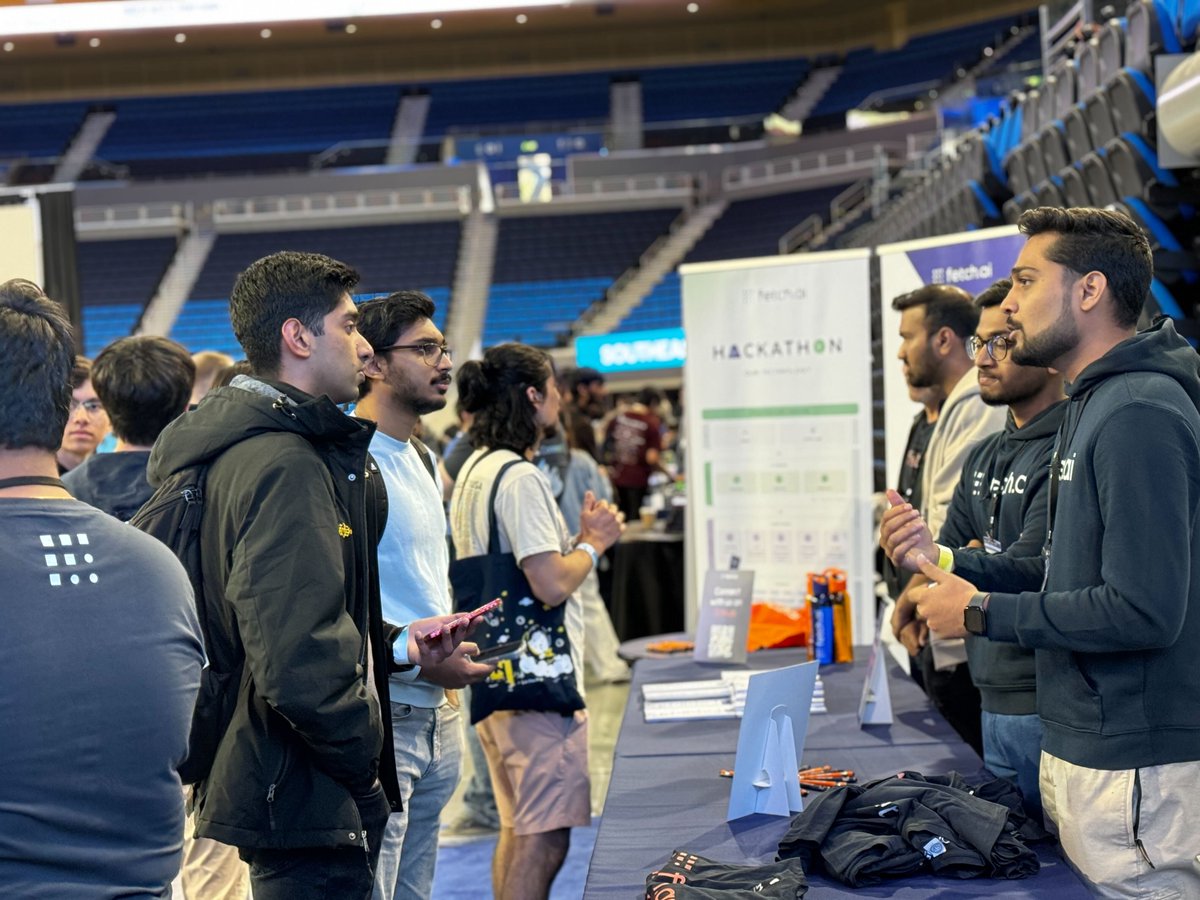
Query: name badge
(991,545)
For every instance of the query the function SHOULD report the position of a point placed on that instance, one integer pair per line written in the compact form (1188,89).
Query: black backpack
(173,515)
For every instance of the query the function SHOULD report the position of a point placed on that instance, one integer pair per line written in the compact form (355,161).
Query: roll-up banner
(972,260)
(778,416)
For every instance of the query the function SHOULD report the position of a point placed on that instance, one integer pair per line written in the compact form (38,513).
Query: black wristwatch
(975,615)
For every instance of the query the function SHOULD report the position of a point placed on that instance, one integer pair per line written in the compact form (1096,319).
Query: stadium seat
(1075,190)
(1078,135)
(1049,193)
(1136,173)
(1052,147)
(1131,99)
(1098,180)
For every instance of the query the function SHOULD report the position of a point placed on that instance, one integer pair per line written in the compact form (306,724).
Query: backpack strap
(426,457)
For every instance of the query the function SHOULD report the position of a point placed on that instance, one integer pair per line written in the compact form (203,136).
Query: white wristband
(590,551)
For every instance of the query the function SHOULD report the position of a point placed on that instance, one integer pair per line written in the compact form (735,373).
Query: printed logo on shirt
(1066,468)
(1012,484)
(76,556)
(344,530)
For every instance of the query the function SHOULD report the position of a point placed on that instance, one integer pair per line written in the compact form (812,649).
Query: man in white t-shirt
(408,377)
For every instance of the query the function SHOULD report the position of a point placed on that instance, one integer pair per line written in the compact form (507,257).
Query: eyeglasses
(430,352)
(997,347)
(91,407)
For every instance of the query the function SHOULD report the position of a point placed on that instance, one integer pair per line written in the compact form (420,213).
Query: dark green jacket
(292,515)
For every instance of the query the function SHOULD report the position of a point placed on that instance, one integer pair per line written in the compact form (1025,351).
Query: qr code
(720,642)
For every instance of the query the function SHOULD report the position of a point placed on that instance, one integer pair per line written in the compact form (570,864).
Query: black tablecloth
(647,588)
(666,792)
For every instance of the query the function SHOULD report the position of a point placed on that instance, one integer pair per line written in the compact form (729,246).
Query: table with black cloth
(647,585)
(666,792)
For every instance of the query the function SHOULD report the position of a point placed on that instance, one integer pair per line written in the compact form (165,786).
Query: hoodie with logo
(1001,500)
(1117,627)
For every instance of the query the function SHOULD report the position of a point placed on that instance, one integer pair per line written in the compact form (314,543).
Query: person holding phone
(537,760)
(407,377)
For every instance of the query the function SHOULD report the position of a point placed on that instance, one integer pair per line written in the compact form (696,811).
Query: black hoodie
(1117,629)
(291,520)
(1002,497)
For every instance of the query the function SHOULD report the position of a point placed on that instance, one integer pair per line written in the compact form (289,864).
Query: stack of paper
(716,698)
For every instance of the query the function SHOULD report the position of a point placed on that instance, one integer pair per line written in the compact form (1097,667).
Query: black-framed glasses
(997,347)
(91,407)
(431,352)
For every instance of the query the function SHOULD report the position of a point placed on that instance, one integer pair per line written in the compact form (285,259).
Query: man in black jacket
(1116,625)
(993,535)
(293,514)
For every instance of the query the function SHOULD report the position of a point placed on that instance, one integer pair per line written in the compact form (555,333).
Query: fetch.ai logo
(68,559)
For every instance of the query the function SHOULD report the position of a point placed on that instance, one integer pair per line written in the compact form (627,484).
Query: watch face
(974,619)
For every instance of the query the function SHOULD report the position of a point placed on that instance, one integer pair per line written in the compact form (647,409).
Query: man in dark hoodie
(1116,625)
(993,535)
(303,779)
(144,382)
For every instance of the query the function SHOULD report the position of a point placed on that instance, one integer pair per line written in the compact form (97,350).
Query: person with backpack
(511,542)
(408,377)
(100,653)
(302,777)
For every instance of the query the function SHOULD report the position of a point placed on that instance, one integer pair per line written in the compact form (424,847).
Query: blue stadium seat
(116,281)
(1131,99)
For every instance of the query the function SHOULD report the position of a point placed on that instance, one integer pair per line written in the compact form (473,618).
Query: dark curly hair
(494,390)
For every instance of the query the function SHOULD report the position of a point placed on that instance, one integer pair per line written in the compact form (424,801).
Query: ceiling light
(988,51)
(94,42)
(351,28)
(265,33)
(435,24)
(180,38)
(9,46)
(693,7)
(522,18)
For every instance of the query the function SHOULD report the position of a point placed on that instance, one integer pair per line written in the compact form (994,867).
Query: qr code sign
(720,642)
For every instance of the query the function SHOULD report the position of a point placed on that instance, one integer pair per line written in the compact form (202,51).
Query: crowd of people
(1046,603)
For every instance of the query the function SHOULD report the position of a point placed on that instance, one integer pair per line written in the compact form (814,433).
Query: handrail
(661,184)
(287,206)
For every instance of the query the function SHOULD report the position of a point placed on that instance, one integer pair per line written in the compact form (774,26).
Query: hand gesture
(942,604)
(459,669)
(903,534)
(425,652)
(600,523)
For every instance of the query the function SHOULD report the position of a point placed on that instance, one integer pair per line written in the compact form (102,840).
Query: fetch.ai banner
(972,260)
(778,403)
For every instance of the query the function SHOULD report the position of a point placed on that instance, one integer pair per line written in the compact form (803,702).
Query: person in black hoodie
(304,778)
(993,536)
(1116,625)
(144,382)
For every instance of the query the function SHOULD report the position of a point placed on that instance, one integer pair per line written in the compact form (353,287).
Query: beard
(1042,350)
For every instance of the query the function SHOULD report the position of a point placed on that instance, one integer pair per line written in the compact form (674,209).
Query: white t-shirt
(528,519)
(414,562)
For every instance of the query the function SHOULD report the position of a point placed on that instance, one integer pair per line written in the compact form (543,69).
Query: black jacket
(1117,629)
(1002,496)
(291,520)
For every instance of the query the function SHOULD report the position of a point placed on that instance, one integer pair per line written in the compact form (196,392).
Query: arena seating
(116,281)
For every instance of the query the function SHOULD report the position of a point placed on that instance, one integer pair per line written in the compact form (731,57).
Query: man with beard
(935,322)
(408,377)
(1116,624)
(993,535)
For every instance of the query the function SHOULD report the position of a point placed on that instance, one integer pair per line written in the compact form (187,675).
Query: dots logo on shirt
(76,557)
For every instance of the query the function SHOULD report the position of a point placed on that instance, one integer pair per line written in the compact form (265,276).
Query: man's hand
(424,652)
(459,669)
(903,534)
(914,636)
(943,602)
(600,523)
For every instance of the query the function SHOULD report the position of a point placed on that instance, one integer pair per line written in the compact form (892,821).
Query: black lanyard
(1066,433)
(29,480)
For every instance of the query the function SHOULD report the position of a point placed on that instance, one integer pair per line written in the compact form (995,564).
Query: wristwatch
(975,615)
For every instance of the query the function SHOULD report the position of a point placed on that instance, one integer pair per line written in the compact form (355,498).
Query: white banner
(778,417)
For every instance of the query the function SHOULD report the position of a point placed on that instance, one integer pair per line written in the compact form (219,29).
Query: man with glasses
(993,535)
(87,423)
(935,322)
(408,377)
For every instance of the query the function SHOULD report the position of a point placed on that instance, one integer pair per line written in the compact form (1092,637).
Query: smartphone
(500,651)
(472,616)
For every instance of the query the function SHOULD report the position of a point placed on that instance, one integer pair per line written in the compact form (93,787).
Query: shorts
(539,767)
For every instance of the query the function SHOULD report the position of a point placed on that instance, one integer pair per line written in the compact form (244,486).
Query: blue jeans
(428,760)
(1012,748)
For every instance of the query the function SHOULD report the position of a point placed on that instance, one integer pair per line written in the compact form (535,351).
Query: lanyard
(1066,433)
